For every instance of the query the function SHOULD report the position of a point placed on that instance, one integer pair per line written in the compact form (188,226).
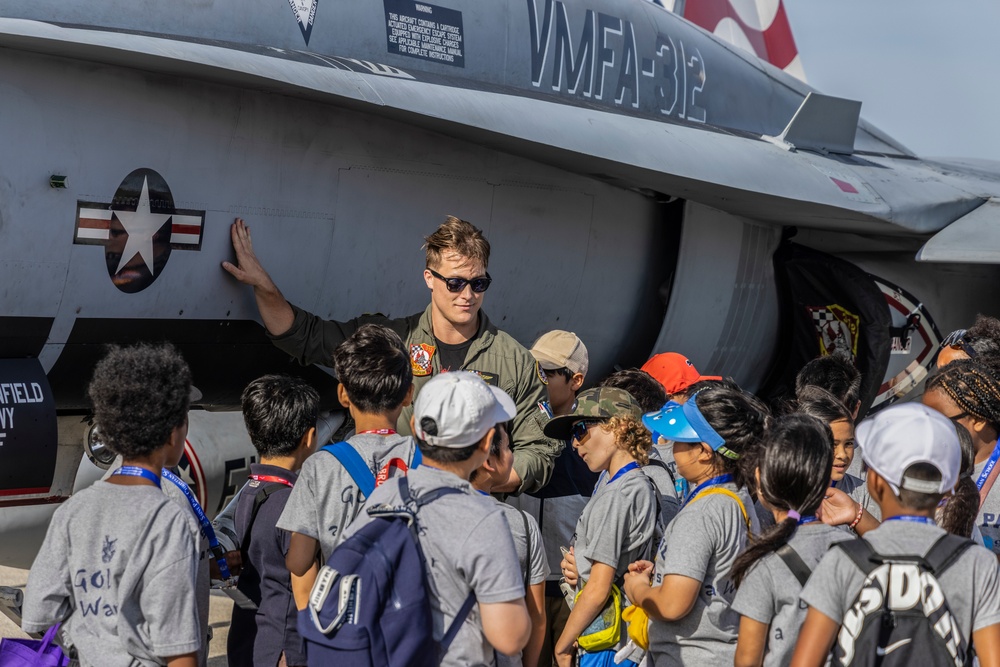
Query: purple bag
(42,652)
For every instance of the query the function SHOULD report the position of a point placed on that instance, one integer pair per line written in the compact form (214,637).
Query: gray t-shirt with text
(701,543)
(123,582)
(467,541)
(326,499)
(769,593)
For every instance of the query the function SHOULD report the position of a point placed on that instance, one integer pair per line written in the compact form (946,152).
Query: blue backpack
(370,605)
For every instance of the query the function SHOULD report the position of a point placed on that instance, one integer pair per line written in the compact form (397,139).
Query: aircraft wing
(736,172)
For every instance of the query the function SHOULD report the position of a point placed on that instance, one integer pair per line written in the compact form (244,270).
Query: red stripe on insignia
(186,229)
(845,186)
(95,223)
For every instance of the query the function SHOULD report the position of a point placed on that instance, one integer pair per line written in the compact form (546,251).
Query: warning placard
(421,30)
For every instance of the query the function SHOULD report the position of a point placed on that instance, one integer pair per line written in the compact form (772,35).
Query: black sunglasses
(957,339)
(479,285)
(582,427)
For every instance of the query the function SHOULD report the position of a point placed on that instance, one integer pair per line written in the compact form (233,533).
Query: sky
(926,72)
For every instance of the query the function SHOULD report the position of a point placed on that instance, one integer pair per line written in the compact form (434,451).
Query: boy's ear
(308,440)
(576,381)
(408,399)
(484,444)
(877,486)
(342,396)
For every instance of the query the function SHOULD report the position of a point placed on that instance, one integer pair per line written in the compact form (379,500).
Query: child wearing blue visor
(688,593)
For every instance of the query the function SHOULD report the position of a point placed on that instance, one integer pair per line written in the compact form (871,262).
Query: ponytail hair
(630,435)
(794,476)
(958,515)
(742,420)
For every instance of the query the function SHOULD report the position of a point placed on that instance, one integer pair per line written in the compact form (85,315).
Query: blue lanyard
(624,469)
(136,471)
(715,481)
(481,492)
(807,519)
(206,525)
(911,519)
(988,468)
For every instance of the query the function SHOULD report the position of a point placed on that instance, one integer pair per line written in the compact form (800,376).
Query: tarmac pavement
(220,611)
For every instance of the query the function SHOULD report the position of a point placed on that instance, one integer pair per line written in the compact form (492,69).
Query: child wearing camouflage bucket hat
(618,525)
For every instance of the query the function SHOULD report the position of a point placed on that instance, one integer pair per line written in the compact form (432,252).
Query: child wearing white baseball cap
(465,538)
(942,582)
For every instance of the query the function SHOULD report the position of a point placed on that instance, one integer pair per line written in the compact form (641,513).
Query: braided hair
(794,475)
(972,386)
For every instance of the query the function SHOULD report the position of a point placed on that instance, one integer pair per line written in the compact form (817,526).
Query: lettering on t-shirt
(90,582)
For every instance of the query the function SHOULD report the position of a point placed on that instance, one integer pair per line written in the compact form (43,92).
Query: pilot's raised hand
(274,309)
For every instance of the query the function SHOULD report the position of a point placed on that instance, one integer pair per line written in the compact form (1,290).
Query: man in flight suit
(452,334)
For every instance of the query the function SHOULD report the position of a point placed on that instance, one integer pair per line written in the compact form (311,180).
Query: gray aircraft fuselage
(614,155)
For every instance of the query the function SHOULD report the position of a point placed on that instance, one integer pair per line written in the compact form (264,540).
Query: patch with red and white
(138,228)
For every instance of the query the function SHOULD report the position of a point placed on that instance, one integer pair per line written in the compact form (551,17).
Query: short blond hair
(460,237)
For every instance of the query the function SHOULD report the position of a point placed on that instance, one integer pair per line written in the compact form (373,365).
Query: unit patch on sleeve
(420,359)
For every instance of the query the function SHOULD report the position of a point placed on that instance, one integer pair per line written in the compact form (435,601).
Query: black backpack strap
(945,552)
(662,464)
(794,563)
(861,553)
(527,551)
(456,624)
(263,493)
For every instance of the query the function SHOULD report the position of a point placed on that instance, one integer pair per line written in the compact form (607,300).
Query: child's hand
(568,565)
(636,579)
(564,657)
(640,566)
(837,508)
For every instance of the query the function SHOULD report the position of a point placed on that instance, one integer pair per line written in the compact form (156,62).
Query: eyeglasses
(959,416)
(479,285)
(957,339)
(582,427)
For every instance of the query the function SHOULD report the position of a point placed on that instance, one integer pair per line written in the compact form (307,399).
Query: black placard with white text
(425,31)
(28,430)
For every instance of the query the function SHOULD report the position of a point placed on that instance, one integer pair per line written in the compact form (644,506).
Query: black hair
(374,368)
(278,411)
(140,395)
(742,420)
(971,386)
(564,372)
(983,338)
(836,373)
(645,389)
(958,516)
(915,500)
(446,454)
(794,475)
(821,404)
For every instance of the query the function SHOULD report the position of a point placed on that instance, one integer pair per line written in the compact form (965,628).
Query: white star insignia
(140,225)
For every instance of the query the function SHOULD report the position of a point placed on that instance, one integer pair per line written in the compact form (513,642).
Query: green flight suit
(500,359)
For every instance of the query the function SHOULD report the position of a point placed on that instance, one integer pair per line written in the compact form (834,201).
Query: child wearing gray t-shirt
(119,563)
(793,474)
(914,459)
(619,523)
(687,592)
(376,383)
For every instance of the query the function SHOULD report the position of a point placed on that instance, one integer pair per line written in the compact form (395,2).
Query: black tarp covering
(827,303)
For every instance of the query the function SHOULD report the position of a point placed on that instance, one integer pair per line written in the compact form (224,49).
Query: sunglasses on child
(582,427)
(956,339)
(479,285)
